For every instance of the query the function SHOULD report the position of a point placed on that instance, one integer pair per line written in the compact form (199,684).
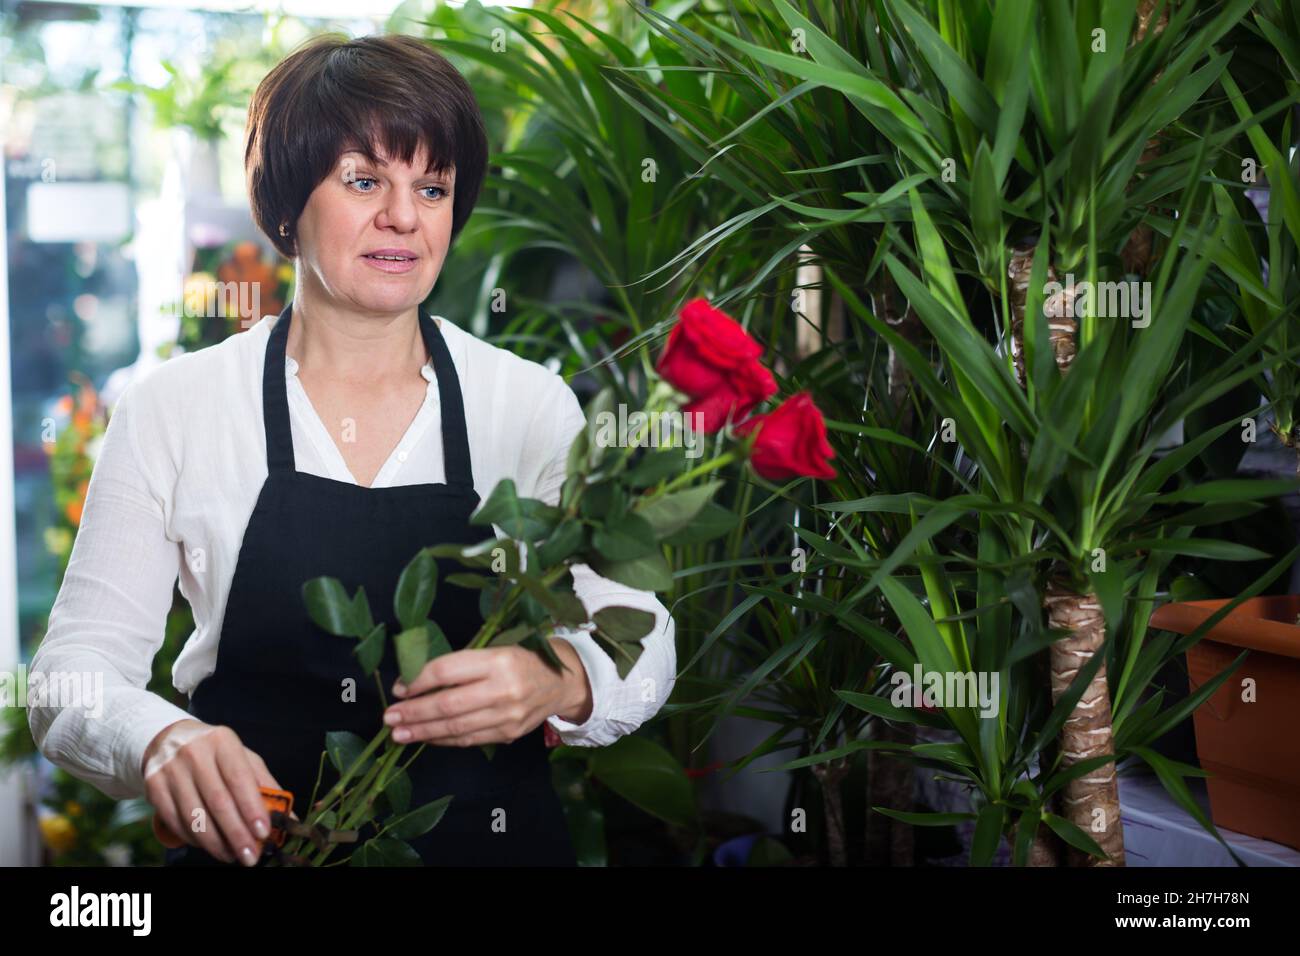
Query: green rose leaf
(329,606)
(362,622)
(502,503)
(563,542)
(713,521)
(412,652)
(419,821)
(397,792)
(625,539)
(650,573)
(382,851)
(563,606)
(532,610)
(475,582)
(512,635)
(526,519)
(438,643)
(569,609)
(624,624)
(655,467)
(603,501)
(671,513)
(569,491)
(344,748)
(624,654)
(416,589)
(371,649)
(577,459)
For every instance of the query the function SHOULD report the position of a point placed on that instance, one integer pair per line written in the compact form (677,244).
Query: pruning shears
(279,803)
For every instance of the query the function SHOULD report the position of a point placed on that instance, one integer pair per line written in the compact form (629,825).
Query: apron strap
(275,400)
(455,433)
(275,403)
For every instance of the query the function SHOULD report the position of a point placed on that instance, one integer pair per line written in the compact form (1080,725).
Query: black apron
(281,682)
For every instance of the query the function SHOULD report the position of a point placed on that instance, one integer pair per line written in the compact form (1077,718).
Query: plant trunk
(1139,253)
(1289,439)
(1047,849)
(885,304)
(1090,802)
(1061,327)
(830,775)
(890,780)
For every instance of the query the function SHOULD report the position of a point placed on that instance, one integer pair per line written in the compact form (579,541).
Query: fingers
(191,809)
(495,697)
(222,805)
(458,667)
(447,702)
(158,793)
(488,725)
(206,768)
(241,780)
(264,776)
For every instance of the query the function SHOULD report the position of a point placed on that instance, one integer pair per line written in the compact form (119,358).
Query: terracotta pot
(1249,747)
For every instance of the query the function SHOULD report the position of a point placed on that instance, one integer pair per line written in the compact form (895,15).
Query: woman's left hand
(488,695)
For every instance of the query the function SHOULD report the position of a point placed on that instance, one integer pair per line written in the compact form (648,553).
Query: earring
(284,232)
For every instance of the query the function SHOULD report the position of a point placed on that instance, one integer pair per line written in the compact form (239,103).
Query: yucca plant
(792,619)
(988,621)
(940,162)
(822,176)
(583,172)
(1275,239)
(1046,150)
(1068,473)
(802,150)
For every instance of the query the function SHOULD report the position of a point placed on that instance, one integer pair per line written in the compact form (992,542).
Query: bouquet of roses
(631,490)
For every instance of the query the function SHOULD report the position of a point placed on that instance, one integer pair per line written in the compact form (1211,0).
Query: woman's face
(363,211)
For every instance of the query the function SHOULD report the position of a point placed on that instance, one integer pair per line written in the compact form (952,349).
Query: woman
(337,438)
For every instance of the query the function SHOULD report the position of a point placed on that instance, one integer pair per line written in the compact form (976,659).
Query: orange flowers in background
(80,421)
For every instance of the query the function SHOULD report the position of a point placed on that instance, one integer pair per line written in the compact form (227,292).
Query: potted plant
(1244,735)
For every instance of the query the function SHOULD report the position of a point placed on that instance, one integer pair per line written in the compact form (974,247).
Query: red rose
(711,358)
(791,441)
(549,735)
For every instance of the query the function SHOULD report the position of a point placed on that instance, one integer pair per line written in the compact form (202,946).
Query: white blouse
(174,484)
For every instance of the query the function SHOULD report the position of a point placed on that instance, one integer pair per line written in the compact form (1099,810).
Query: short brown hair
(334,94)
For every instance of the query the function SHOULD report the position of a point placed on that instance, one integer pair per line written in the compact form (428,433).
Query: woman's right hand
(193,766)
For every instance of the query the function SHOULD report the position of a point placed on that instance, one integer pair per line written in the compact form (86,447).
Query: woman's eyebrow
(447,174)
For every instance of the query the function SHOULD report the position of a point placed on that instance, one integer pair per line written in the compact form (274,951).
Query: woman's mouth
(391,262)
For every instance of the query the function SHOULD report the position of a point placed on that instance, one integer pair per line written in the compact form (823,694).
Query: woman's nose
(399,213)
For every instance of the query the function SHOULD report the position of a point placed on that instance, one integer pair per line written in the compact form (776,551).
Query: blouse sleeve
(107,623)
(619,705)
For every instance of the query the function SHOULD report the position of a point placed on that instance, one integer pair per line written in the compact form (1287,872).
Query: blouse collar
(291,368)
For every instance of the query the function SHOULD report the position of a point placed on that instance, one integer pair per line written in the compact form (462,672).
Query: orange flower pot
(1249,747)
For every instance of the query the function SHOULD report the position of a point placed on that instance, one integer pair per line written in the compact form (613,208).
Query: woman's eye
(362,179)
(442,192)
